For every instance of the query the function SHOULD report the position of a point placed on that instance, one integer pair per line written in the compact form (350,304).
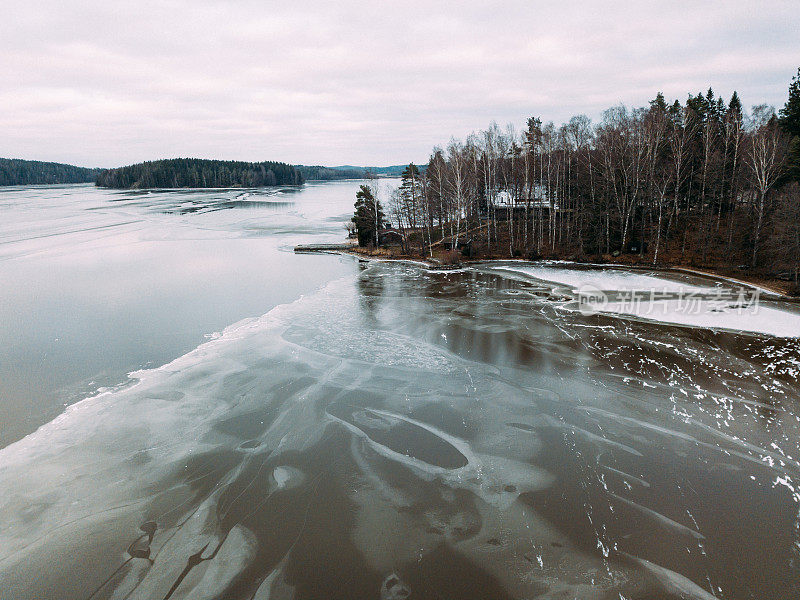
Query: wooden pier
(323,247)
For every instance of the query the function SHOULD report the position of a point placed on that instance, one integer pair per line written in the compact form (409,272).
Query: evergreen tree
(790,113)
(659,104)
(409,181)
(368,217)
(735,108)
(411,201)
(790,121)
(711,102)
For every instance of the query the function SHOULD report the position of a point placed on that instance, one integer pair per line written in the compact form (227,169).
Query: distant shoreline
(173,172)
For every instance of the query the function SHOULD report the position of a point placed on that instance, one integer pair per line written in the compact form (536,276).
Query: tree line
(320,173)
(199,173)
(702,182)
(15,171)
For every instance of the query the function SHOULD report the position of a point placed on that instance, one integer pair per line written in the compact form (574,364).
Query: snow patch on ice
(604,279)
(710,314)
(655,298)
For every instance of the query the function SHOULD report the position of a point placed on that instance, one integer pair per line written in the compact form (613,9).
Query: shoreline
(768,287)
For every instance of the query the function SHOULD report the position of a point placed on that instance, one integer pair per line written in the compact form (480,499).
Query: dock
(323,247)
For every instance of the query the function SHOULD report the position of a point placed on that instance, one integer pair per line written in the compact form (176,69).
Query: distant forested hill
(390,171)
(15,171)
(347,172)
(199,173)
(320,173)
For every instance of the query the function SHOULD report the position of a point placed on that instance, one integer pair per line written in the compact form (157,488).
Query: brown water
(405,433)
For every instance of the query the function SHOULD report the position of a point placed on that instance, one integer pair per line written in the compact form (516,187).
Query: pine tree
(368,217)
(409,182)
(790,113)
(659,103)
(790,122)
(411,213)
(735,107)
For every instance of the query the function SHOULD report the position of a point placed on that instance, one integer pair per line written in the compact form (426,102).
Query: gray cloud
(108,83)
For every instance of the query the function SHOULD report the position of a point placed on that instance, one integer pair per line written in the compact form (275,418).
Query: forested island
(199,173)
(15,171)
(702,183)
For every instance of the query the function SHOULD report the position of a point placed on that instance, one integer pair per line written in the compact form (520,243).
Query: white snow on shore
(721,305)
(711,314)
(604,279)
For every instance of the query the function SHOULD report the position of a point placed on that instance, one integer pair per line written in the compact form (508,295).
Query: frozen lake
(308,426)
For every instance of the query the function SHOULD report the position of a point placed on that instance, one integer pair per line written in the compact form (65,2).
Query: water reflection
(370,293)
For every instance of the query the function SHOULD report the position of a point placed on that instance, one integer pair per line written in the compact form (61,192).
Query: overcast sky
(336,82)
